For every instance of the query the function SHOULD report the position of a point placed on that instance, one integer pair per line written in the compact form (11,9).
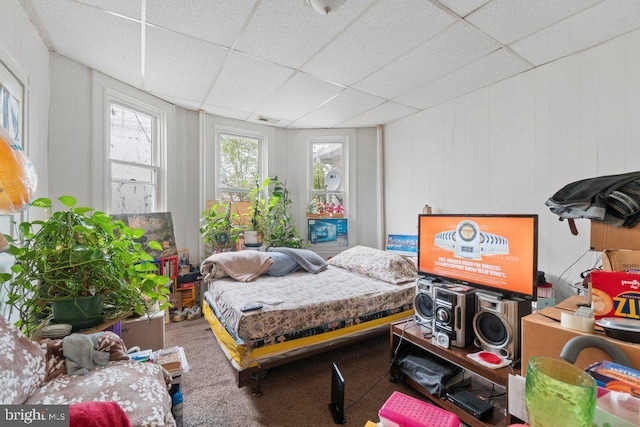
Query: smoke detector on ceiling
(324,7)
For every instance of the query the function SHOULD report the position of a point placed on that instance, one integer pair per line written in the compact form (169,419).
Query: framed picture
(11,103)
(13,96)
(403,244)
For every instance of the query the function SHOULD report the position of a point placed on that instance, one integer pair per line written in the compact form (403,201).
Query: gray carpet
(294,395)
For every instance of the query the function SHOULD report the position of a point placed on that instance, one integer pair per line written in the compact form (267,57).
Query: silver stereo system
(453,316)
(423,302)
(496,324)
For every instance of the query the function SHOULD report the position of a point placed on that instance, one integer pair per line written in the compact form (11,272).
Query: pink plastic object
(405,411)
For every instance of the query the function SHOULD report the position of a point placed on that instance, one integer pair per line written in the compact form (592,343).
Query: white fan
(332,180)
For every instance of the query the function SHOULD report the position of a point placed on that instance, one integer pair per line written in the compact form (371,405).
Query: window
(134,159)
(329,175)
(239,165)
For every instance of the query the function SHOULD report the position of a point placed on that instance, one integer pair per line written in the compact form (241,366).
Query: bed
(353,296)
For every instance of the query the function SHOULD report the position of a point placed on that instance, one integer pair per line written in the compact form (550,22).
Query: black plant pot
(79,312)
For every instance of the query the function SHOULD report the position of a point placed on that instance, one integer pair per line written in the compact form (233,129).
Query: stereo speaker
(497,324)
(453,317)
(423,302)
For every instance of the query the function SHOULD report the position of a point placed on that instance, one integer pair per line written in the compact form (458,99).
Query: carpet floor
(296,394)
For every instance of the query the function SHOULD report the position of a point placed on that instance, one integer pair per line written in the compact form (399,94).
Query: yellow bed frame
(250,363)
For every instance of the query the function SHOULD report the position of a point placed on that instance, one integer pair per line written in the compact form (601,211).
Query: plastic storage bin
(401,410)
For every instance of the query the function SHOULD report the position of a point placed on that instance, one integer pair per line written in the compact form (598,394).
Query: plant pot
(79,312)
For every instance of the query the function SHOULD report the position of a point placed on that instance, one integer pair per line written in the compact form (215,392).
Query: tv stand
(492,379)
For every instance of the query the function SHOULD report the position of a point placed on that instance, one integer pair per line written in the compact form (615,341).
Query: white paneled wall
(509,147)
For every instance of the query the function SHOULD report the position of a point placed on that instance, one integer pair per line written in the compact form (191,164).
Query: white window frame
(344,185)
(158,149)
(106,91)
(242,133)
(347,181)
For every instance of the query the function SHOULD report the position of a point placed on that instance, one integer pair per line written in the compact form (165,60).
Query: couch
(35,374)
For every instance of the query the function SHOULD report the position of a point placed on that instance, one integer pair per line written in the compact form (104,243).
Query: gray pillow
(282,264)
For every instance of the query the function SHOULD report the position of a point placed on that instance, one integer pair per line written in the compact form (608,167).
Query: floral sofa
(34,373)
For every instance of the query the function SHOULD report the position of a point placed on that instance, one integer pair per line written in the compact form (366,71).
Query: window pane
(120,172)
(131,136)
(235,196)
(132,198)
(327,167)
(238,162)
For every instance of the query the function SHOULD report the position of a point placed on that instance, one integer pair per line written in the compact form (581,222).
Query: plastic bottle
(176,408)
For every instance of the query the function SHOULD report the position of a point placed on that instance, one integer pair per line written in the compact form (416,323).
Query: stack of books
(172,359)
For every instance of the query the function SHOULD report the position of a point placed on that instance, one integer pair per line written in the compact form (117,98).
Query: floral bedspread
(303,304)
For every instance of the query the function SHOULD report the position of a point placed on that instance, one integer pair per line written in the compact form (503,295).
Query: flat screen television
(497,253)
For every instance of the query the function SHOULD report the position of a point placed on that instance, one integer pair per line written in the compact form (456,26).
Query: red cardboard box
(615,294)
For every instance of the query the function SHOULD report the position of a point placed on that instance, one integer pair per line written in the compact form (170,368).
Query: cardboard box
(144,332)
(605,236)
(620,260)
(542,335)
(175,298)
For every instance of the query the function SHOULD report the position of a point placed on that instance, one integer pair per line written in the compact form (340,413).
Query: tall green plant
(280,225)
(74,254)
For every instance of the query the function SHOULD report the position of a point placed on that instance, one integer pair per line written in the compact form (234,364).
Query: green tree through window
(239,166)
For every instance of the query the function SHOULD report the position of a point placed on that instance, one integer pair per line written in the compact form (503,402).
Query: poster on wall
(403,244)
(328,231)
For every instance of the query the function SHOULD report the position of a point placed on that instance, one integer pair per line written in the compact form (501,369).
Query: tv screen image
(491,252)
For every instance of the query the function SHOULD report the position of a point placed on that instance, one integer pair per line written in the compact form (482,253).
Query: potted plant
(278,223)
(73,257)
(219,227)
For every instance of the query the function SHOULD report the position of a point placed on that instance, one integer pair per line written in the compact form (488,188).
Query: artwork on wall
(328,231)
(12,111)
(157,226)
(403,244)
(11,103)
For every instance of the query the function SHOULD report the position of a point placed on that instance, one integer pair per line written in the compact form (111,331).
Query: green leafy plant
(220,227)
(269,214)
(279,226)
(74,253)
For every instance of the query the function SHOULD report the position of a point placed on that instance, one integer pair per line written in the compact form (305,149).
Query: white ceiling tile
(130,8)
(484,72)
(600,23)
(346,105)
(180,102)
(257,118)
(222,111)
(93,37)
(292,38)
(179,65)
(218,21)
(511,20)
(299,125)
(301,94)
(457,46)
(246,82)
(385,32)
(382,114)
(463,7)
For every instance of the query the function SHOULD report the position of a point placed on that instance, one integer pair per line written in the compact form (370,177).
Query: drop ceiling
(281,63)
